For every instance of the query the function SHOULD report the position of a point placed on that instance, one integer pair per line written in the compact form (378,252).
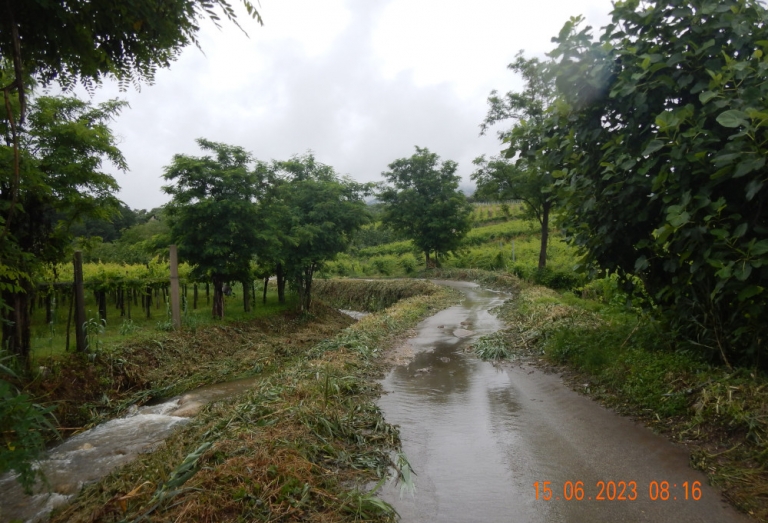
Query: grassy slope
(86,389)
(489,246)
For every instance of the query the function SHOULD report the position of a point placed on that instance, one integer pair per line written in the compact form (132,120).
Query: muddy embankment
(88,389)
(300,443)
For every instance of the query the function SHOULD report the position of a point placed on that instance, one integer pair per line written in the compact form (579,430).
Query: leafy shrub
(408,262)
(387,264)
(557,279)
(25,425)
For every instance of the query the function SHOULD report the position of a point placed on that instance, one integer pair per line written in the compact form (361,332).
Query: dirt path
(480,437)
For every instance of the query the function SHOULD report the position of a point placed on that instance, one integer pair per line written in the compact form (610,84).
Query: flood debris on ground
(301,443)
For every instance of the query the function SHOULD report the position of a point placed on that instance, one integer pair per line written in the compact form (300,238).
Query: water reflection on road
(479,437)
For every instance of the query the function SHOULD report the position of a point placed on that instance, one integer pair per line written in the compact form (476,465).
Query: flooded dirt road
(479,437)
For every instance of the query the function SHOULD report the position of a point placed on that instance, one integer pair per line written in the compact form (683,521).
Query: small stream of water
(94,453)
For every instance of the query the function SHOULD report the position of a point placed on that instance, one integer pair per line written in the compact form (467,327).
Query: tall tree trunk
(280,275)
(48,308)
(264,297)
(148,301)
(305,288)
(426,255)
(102,297)
(218,297)
(16,328)
(69,319)
(544,234)
(246,296)
(194,296)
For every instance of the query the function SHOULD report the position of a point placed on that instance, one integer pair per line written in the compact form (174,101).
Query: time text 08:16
(618,491)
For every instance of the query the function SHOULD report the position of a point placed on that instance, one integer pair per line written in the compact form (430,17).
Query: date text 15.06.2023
(619,491)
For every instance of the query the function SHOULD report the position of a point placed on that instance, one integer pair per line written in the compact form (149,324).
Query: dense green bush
(25,427)
(386,265)
(408,262)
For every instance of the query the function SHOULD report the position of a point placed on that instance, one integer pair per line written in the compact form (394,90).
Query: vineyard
(502,238)
(123,300)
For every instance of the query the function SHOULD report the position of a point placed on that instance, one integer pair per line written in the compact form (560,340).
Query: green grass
(50,339)
(499,242)
(504,231)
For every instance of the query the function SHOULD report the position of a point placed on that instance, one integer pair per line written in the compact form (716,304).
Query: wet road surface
(479,437)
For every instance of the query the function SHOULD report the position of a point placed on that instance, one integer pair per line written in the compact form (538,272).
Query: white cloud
(360,83)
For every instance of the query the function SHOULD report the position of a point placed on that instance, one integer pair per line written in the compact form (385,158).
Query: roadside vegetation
(307,442)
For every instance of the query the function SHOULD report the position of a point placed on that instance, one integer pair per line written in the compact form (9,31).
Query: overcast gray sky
(358,82)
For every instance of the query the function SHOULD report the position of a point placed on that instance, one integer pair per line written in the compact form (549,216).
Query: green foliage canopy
(423,202)
(664,123)
(213,215)
(85,40)
(528,176)
(316,212)
(64,147)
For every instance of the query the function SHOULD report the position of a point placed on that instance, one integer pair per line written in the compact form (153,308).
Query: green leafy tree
(213,215)
(319,212)
(664,120)
(83,41)
(528,177)
(64,146)
(424,203)
(78,41)
(109,229)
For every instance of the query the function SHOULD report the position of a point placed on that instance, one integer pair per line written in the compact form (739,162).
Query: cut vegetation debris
(306,443)
(85,389)
(623,358)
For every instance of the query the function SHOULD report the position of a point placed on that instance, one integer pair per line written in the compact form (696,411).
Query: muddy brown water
(479,437)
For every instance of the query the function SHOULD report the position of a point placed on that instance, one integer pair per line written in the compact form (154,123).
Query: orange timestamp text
(618,491)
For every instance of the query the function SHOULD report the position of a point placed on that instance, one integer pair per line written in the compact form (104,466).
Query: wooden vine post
(79,303)
(175,308)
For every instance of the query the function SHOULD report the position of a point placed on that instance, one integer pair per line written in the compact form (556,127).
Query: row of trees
(229,209)
(653,147)
(53,149)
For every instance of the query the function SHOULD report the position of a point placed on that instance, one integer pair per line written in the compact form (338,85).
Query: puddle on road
(478,437)
(458,420)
